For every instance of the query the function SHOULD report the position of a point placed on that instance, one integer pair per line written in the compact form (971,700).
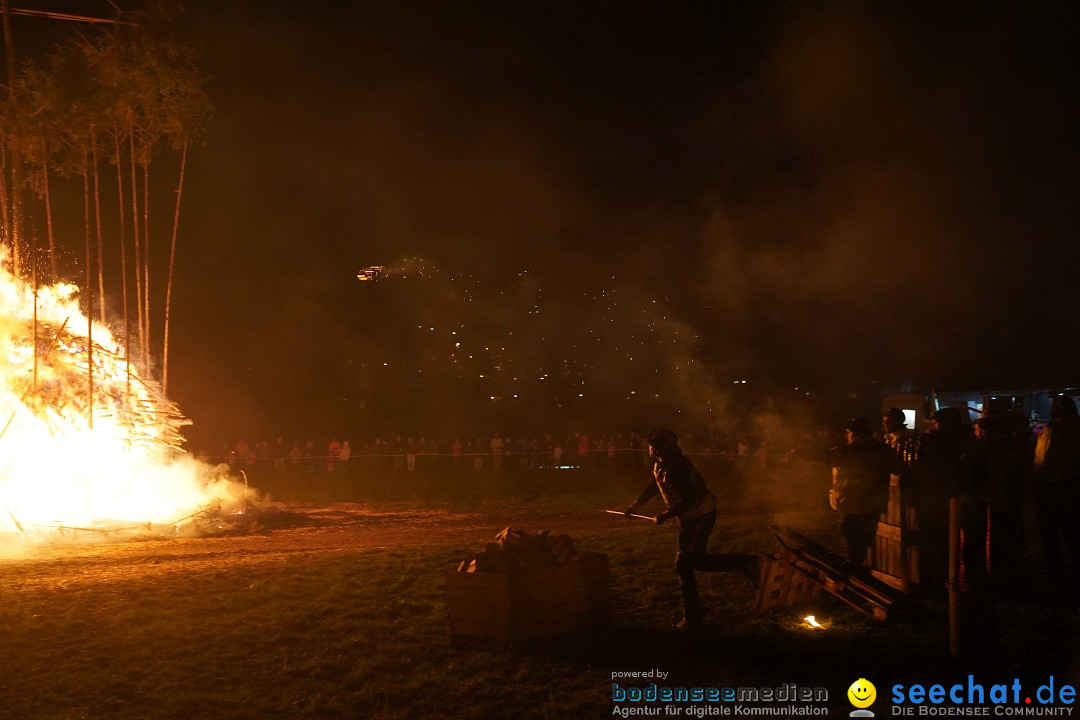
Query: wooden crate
(895,554)
(781,584)
(502,608)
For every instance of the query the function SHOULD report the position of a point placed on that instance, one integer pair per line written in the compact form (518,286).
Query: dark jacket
(997,463)
(682,487)
(940,472)
(861,470)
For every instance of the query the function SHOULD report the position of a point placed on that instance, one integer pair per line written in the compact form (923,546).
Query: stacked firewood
(135,406)
(514,551)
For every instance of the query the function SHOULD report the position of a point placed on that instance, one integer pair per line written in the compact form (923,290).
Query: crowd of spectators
(742,450)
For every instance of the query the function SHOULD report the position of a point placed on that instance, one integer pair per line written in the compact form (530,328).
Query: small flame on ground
(812,621)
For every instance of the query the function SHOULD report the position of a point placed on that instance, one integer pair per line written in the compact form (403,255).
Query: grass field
(364,633)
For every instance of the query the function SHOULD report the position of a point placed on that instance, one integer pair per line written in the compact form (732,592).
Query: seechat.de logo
(862,695)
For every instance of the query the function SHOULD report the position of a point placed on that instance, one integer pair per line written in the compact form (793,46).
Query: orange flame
(80,457)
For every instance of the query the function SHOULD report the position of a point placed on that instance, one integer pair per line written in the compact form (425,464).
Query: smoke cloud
(609,215)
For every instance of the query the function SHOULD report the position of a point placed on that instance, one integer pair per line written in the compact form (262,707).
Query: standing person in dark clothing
(860,486)
(999,456)
(896,433)
(938,475)
(688,500)
(1057,490)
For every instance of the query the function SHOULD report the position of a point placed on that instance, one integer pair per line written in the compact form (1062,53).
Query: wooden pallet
(781,585)
(850,584)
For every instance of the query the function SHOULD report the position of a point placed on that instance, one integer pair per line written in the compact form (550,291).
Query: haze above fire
(819,195)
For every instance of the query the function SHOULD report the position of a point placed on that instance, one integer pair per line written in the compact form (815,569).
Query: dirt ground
(285,531)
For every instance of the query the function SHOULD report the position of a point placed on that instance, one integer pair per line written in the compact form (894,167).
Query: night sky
(598,213)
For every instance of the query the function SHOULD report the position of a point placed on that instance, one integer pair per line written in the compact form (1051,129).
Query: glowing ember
(80,458)
(812,621)
(371,272)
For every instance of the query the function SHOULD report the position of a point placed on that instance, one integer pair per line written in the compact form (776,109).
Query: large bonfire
(88,446)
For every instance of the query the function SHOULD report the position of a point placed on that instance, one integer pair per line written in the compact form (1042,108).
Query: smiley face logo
(862,693)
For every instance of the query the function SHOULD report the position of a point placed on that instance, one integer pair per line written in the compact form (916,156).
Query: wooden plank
(867,595)
(493,603)
(889,532)
(781,585)
(559,596)
(584,610)
(531,603)
(896,558)
(913,564)
(472,603)
(890,580)
(894,511)
(482,630)
(478,595)
(475,580)
(550,582)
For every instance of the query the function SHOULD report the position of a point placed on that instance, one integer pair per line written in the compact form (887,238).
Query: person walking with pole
(689,501)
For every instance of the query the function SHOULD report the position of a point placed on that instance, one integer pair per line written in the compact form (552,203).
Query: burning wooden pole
(632,515)
(14,519)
